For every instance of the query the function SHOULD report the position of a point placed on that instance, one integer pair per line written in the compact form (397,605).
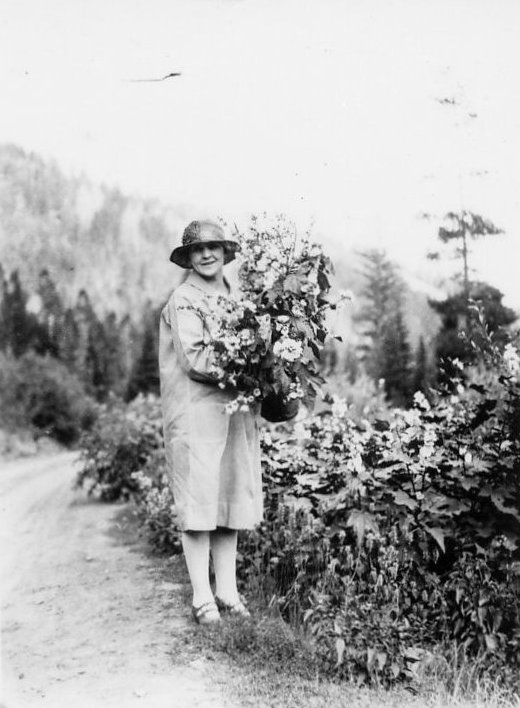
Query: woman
(213,458)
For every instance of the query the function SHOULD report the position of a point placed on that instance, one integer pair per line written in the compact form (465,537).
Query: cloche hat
(202,232)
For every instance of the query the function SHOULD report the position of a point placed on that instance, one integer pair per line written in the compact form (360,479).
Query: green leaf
(403,499)
(491,642)
(437,534)
(293,284)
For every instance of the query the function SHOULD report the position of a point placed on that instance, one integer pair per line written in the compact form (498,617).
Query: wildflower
(512,360)
(421,401)
(269,280)
(339,407)
(231,407)
(288,349)
(264,329)
(262,264)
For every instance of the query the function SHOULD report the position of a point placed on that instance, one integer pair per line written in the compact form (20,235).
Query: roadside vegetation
(388,555)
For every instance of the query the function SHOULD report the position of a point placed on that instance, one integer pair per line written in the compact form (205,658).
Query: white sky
(322,109)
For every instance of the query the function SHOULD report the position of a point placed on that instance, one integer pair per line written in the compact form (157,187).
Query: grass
(273,666)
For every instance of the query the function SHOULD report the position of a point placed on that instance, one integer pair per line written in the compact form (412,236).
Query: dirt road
(87,620)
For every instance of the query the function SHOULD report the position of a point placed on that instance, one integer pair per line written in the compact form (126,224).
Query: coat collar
(198,282)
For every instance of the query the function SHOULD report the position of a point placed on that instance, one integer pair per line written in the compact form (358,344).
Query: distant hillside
(86,235)
(116,246)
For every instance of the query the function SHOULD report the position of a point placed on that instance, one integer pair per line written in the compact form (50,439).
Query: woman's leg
(224,553)
(195,545)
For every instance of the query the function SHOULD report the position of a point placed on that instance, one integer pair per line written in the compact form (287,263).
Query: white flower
(264,329)
(249,305)
(356,464)
(262,264)
(269,280)
(426,451)
(339,407)
(512,360)
(288,349)
(421,401)
(231,407)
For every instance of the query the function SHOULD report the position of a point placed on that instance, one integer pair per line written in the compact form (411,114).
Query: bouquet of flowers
(267,342)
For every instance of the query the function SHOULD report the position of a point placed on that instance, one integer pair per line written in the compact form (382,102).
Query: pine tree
(20,327)
(145,375)
(386,351)
(461,228)
(50,317)
(396,359)
(4,316)
(113,359)
(68,339)
(86,363)
(421,372)
(380,292)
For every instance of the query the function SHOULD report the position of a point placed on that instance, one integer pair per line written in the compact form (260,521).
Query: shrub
(40,393)
(155,505)
(401,534)
(121,441)
(387,538)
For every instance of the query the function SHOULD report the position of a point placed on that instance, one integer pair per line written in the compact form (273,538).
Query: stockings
(223,546)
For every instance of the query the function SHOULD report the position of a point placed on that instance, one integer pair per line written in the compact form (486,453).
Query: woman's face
(207,259)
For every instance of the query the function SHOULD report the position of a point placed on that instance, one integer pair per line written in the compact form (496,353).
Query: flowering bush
(121,441)
(155,506)
(407,533)
(389,537)
(268,341)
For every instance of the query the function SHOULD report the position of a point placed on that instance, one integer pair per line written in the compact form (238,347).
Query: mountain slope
(87,236)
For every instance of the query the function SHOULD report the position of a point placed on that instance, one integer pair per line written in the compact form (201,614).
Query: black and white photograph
(260,354)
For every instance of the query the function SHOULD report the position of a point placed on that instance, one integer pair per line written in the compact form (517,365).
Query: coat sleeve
(187,327)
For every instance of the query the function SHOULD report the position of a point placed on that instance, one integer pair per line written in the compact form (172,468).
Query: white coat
(213,458)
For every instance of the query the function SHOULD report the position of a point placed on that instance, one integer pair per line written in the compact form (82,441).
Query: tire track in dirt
(86,619)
